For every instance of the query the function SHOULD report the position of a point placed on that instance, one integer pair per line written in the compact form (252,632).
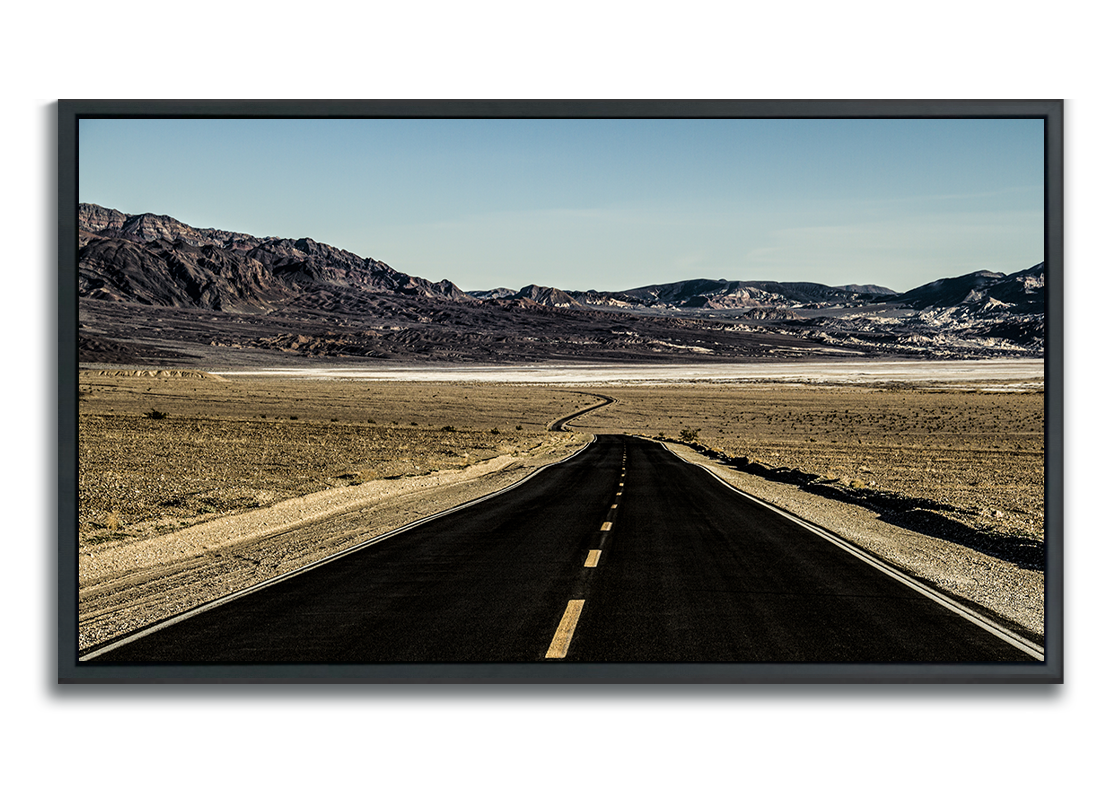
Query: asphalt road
(624,553)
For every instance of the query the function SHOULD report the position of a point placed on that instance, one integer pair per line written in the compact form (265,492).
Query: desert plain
(196,484)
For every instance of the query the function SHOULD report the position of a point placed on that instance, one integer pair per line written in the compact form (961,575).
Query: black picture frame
(60,686)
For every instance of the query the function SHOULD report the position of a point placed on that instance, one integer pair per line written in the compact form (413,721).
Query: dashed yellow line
(593,557)
(606,527)
(564,634)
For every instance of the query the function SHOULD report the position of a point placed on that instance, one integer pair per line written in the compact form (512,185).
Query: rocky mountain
(981,313)
(155,289)
(1024,292)
(157,260)
(1021,292)
(149,227)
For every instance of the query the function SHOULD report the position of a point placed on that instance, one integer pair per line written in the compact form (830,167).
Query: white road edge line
(286,575)
(1018,641)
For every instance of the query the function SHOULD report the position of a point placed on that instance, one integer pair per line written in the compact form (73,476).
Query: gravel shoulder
(128,586)
(1004,589)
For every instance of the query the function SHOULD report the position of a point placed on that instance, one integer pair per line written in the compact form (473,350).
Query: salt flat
(837,372)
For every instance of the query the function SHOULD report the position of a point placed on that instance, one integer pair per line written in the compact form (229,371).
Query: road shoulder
(1001,587)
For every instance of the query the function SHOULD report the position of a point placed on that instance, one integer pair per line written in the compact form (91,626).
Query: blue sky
(601,204)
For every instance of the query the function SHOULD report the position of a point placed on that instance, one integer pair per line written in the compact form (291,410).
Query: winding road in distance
(622,553)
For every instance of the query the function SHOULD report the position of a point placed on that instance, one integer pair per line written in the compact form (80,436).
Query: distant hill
(867,289)
(547,295)
(708,294)
(947,291)
(1022,292)
(492,294)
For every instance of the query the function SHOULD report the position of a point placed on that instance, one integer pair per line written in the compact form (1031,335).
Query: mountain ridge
(157,261)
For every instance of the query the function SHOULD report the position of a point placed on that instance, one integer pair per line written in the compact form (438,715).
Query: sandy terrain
(251,476)
(230,445)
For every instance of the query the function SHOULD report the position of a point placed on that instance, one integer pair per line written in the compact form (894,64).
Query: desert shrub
(688,435)
(154,414)
(495,430)
(448,429)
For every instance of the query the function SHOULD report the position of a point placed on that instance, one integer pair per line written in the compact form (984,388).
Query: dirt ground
(227,445)
(192,486)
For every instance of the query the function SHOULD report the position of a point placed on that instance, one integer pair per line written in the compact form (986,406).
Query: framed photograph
(560,391)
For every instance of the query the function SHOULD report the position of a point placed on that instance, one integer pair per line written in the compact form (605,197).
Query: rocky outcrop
(98,219)
(547,295)
(492,294)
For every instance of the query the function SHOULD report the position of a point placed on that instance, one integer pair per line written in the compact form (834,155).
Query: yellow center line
(564,634)
(606,527)
(593,557)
